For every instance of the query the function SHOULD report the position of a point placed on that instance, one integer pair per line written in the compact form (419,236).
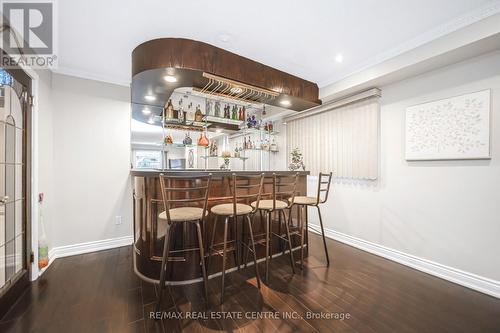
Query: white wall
(91,161)
(444,211)
(45,140)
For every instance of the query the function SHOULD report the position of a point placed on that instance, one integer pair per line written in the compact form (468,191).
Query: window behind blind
(343,140)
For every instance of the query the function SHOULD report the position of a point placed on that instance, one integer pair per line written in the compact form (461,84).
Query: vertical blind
(343,140)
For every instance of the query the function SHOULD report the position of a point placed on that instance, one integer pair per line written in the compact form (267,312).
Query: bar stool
(243,189)
(177,193)
(304,201)
(281,199)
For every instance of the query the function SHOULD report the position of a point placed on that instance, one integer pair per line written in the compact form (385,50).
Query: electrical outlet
(118,220)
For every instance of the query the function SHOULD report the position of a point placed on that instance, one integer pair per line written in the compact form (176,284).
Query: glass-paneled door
(14,263)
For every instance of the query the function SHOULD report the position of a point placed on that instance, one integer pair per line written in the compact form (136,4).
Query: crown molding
(456,24)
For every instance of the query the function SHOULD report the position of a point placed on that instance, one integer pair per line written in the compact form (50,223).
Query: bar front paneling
(149,230)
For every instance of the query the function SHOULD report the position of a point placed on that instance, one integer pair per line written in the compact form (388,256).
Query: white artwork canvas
(451,128)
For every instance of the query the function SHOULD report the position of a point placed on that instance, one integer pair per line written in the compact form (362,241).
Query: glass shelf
(181,145)
(260,149)
(223,120)
(258,130)
(232,157)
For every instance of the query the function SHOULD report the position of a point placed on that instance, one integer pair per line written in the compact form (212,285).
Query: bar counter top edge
(155,172)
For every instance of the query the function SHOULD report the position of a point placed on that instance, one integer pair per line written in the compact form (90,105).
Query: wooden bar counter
(149,230)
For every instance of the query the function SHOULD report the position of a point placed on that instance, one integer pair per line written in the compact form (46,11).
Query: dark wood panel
(149,239)
(99,292)
(191,54)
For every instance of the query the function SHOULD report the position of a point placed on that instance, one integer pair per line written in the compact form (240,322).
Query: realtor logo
(28,33)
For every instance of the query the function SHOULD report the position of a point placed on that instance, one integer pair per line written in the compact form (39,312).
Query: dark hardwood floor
(98,292)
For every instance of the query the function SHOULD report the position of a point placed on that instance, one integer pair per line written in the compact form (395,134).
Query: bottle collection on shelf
(212,108)
(254,145)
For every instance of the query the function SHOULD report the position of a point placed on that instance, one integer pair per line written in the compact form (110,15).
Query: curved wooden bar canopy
(188,60)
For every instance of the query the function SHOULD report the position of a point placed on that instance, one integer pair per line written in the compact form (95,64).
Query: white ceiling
(96,38)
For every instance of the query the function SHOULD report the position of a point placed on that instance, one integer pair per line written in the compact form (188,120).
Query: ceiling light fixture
(150,97)
(339,58)
(151,121)
(236,90)
(218,130)
(146,112)
(285,102)
(170,78)
(224,37)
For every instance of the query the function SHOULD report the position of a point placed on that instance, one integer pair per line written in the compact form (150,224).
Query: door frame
(28,77)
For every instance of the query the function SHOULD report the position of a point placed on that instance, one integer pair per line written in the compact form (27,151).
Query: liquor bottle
(208,107)
(187,140)
(180,113)
(242,115)
(236,151)
(274,146)
(190,113)
(217,109)
(198,116)
(234,112)
(245,143)
(169,110)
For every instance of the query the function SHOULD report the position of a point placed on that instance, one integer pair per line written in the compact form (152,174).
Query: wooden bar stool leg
(302,236)
(253,251)
(163,271)
(235,242)
(323,234)
(281,247)
(224,260)
(292,262)
(202,259)
(307,230)
(211,247)
(268,226)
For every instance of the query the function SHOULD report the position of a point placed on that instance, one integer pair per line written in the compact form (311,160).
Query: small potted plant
(297,160)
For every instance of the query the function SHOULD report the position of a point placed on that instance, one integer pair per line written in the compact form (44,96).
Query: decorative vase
(203,140)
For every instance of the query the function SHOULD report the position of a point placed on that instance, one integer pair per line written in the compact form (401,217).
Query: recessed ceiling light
(236,90)
(285,102)
(151,121)
(146,111)
(170,78)
(224,37)
(150,97)
(339,58)
(218,130)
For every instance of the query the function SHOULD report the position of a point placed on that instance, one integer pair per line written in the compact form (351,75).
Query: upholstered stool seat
(228,209)
(268,204)
(301,200)
(183,214)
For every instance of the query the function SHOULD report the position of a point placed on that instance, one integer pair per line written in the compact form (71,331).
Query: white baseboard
(466,279)
(81,248)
